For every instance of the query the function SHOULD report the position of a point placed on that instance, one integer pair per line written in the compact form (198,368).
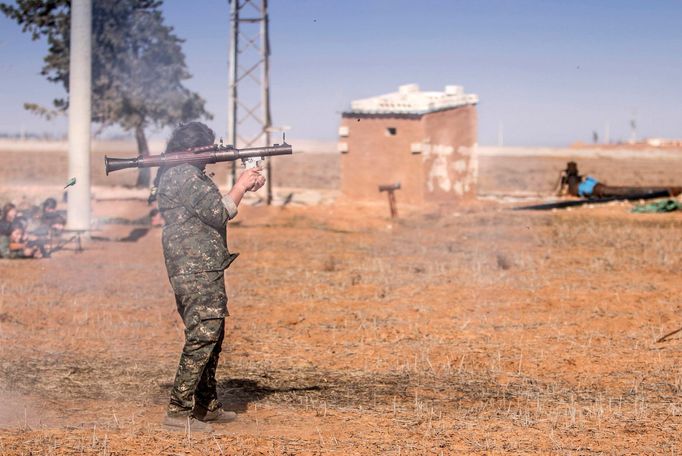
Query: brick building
(424,140)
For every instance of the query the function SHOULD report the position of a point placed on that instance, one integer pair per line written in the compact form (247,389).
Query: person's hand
(260,181)
(248,181)
(251,180)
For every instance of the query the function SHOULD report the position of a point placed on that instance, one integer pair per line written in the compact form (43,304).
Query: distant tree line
(33,135)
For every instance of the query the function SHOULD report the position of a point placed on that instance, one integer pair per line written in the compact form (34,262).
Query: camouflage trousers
(202,304)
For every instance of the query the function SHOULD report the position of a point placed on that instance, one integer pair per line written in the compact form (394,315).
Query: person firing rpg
(196,256)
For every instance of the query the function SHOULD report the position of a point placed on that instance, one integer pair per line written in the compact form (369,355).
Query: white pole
(233,69)
(80,74)
(265,92)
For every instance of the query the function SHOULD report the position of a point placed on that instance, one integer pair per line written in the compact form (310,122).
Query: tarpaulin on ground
(668,205)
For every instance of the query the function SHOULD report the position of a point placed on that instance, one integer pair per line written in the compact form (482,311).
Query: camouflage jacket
(6,252)
(196,215)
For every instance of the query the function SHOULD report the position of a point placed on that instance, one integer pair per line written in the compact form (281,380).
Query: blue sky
(550,72)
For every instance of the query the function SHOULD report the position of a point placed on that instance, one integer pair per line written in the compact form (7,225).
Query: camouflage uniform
(196,255)
(5,252)
(8,253)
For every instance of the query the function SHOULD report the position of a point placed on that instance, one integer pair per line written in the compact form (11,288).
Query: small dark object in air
(503,262)
(71,182)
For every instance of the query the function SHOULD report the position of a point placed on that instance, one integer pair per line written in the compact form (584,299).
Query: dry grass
(487,332)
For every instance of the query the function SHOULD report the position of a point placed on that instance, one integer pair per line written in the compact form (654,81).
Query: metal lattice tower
(249,122)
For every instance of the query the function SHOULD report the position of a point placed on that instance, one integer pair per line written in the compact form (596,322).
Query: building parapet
(410,101)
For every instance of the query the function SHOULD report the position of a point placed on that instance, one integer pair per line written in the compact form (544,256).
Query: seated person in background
(569,180)
(16,245)
(26,225)
(51,217)
(9,213)
(31,239)
(46,220)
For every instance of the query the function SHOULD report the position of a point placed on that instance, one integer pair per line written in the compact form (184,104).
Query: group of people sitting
(29,233)
(36,231)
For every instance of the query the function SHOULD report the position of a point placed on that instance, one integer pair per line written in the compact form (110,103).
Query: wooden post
(390,190)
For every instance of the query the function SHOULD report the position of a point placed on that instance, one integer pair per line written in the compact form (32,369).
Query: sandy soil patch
(468,330)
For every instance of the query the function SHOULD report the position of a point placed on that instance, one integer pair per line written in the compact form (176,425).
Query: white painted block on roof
(454,90)
(408,88)
(409,99)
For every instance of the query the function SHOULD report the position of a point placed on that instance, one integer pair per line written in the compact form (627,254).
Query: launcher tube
(197,156)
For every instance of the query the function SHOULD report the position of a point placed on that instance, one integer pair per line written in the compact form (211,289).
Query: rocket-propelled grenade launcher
(214,153)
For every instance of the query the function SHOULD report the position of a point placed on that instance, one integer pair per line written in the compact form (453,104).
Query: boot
(214,416)
(184,422)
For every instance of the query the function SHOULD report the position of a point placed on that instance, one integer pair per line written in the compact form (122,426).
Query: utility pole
(633,127)
(80,86)
(249,119)
(232,84)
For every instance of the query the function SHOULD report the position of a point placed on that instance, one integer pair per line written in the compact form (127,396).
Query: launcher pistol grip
(252,162)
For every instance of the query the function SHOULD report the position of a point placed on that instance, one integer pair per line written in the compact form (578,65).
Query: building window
(391,131)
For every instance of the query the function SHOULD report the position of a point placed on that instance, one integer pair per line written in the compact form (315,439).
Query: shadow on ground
(237,393)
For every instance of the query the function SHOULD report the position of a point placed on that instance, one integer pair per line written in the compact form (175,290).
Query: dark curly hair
(186,136)
(192,134)
(5,210)
(49,203)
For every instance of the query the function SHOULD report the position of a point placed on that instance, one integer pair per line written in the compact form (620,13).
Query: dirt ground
(539,175)
(465,330)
